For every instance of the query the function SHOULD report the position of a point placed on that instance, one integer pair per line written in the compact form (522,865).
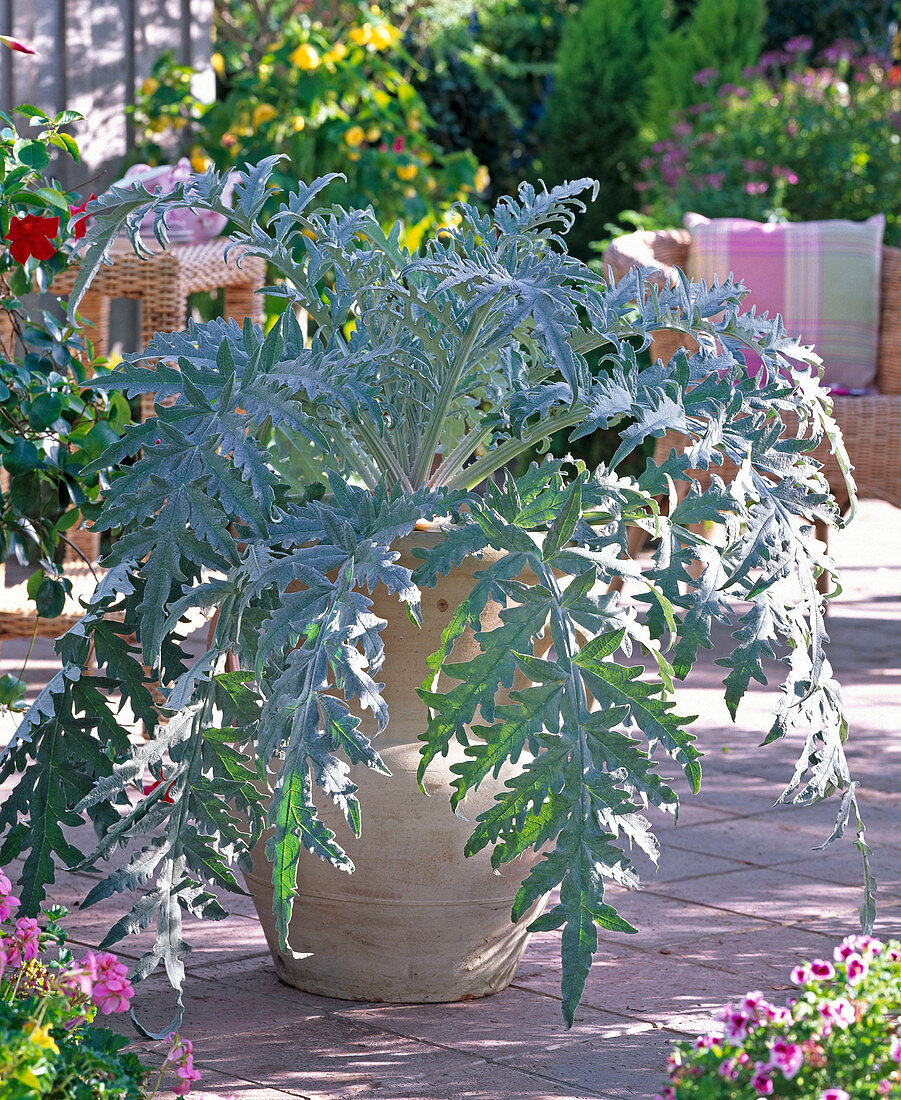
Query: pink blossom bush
(838,1038)
(827,128)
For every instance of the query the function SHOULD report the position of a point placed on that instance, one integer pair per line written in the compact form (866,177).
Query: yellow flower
(481,179)
(179,123)
(413,122)
(218,63)
(149,86)
(355,136)
(373,133)
(381,97)
(337,53)
(263,112)
(158,126)
(430,183)
(409,192)
(305,57)
(382,36)
(406,172)
(354,156)
(199,160)
(299,123)
(361,35)
(41,1037)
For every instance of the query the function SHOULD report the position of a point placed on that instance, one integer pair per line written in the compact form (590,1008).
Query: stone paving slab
(738,899)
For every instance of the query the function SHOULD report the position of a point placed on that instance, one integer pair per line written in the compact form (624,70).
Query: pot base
(400,952)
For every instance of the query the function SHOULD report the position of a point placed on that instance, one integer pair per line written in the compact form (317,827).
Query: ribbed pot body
(416,921)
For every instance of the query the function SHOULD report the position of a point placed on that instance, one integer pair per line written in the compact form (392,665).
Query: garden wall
(101,51)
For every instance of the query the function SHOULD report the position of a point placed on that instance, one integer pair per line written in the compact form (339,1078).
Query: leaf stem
(432,437)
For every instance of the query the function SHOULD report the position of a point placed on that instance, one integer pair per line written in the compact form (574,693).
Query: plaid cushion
(822,277)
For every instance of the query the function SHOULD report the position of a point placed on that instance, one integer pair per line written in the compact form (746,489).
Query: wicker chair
(871,425)
(18,617)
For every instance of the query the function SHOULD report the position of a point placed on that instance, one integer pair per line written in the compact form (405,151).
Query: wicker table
(162,283)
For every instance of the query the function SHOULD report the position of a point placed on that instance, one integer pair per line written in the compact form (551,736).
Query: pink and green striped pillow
(822,277)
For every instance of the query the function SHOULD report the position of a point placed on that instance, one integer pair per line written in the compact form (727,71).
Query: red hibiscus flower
(79,228)
(32,236)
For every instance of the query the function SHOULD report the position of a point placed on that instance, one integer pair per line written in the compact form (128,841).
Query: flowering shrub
(331,99)
(51,423)
(838,1038)
(792,141)
(49,1046)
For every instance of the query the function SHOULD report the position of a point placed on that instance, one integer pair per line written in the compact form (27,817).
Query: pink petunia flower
(737,1026)
(822,970)
(856,968)
(894,1050)
(786,1057)
(834,1094)
(839,1013)
(761,1082)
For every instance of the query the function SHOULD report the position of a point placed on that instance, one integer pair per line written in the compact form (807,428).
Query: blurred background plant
(484,72)
(333,96)
(52,424)
(793,140)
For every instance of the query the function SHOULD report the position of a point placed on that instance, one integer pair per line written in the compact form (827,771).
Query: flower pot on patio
(417,920)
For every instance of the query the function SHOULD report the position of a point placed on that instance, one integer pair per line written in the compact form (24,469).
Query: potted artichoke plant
(419,591)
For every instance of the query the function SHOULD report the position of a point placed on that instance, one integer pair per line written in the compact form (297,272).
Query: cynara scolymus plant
(422,378)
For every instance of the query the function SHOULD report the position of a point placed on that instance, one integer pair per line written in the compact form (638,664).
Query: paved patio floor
(738,898)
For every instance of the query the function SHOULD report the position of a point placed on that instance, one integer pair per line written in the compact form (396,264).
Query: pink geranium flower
(800,974)
(7,901)
(894,1050)
(187,1075)
(112,990)
(834,1094)
(23,945)
(181,1052)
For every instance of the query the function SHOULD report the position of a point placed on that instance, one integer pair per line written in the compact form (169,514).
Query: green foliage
(598,101)
(714,46)
(50,1048)
(52,423)
(484,74)
(797,144)
(838,1037)
(424,375)
(333,98)
(43,1059)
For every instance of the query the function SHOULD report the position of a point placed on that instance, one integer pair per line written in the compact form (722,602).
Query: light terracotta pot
(416,921)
